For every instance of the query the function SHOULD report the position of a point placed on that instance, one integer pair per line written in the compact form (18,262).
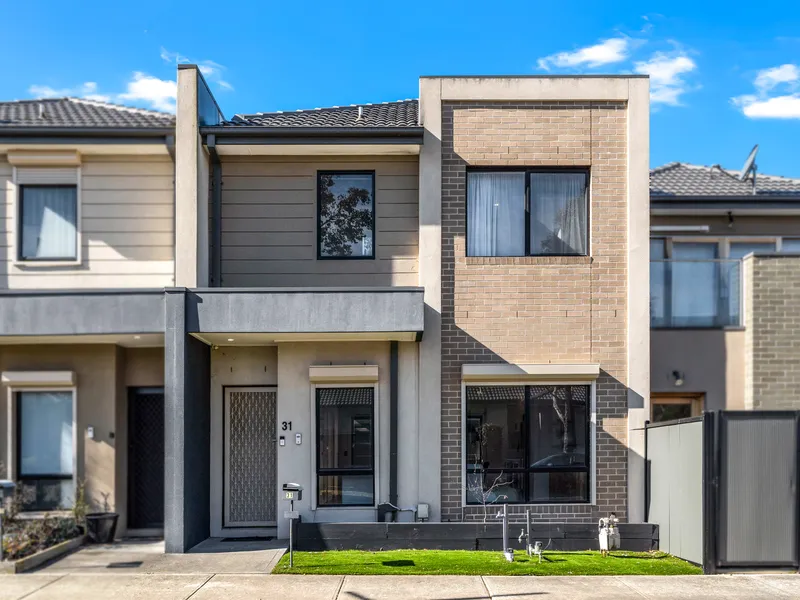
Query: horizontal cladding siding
(269,220)
(127,227)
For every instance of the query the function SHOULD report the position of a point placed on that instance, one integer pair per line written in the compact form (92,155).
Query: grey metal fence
(757,493)
(675,498)
(723,489)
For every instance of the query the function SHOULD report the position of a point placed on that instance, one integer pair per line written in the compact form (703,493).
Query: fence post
(710,485)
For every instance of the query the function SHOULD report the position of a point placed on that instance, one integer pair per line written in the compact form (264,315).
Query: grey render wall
(675,457)
(316,310)
(187,430)
(772,328)
(30,313)
(269,222)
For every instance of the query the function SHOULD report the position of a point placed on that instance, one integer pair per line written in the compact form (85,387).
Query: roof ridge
(665,167)
(101,103)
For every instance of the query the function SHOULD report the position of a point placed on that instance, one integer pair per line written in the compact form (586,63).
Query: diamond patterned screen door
(250,457)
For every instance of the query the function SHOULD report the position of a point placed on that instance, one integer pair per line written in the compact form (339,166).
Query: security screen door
(250,457)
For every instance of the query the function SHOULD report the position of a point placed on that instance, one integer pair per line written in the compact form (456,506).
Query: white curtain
(558,213)
(49,219)
(45,433)
(496,214)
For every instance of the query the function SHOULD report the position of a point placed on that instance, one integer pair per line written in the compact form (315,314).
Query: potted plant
(101,527)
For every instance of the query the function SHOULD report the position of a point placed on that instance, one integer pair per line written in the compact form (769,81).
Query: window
(45,449)
(345,447)
(741,249)
(790,245)
(527,444)
(346,214)
(672,407)
(48,216)
(519,213)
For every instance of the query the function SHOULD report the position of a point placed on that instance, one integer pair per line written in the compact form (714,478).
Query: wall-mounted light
(730,219)
(678,377)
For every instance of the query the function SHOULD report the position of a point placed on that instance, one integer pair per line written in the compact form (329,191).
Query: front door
(146,458)
(250,495)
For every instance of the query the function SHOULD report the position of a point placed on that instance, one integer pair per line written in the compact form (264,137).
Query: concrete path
(157,586)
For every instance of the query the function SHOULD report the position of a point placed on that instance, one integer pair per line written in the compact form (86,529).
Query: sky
(724,75)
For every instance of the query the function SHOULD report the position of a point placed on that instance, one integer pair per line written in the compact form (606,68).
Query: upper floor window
(527,213)
(48,215)
(346,214)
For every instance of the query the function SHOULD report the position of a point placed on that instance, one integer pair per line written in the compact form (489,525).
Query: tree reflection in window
(346,215)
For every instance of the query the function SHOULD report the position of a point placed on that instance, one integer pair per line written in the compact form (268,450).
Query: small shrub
(27,536)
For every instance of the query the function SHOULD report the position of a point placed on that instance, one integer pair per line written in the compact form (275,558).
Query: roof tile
(403,113)
(682,180)
(77,112)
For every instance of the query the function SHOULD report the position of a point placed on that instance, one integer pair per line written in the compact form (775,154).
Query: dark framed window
(346,214)
(529,212)
(345,446)
(45,449)
(528,444)
(48,222)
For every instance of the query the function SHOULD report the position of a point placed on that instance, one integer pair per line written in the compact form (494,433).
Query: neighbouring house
(438,303)
(724,291)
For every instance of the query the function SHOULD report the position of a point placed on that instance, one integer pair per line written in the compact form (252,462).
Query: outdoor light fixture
(678,377)
(230,339)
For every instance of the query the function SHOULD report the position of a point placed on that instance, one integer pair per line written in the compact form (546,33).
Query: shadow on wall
(706,361)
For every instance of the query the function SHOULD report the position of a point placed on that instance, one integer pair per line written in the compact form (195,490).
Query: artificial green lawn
(464,562)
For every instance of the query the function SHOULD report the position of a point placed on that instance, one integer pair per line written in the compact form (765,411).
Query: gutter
(238,135)
(216,212)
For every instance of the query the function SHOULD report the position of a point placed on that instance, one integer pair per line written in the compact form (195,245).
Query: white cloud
(160,94)
(612,50)
(211,70)
(86,90)
(778,107)
(667,70)
(763,105)
(768,79)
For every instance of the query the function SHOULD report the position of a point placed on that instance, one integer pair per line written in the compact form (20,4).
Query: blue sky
(725,76)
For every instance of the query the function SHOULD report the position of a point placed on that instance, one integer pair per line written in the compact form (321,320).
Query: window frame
(528,171)
(18,237)
(320,174)
(16,423)
(344,471)
(591,444)
(695,401)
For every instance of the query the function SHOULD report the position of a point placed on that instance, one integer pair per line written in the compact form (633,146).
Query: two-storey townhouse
(724,297)
(438,304)
(87,249)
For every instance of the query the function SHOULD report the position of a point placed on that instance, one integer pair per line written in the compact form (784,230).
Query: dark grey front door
(146,458)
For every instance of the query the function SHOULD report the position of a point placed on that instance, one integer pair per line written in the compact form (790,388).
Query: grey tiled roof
(403,113)
(681,180)
(76,112)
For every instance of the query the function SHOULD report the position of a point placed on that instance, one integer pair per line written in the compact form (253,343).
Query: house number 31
(286,425)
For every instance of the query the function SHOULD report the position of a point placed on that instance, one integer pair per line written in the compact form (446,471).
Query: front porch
(312,386)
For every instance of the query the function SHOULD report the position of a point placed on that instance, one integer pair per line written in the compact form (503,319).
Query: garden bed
(25,537)
(462,562)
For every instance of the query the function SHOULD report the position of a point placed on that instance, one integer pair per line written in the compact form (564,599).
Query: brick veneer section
(772,328)
(538,309)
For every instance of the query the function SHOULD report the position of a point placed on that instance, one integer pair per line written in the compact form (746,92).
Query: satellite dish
(750,166)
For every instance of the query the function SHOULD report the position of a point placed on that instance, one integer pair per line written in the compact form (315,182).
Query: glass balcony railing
(695,293)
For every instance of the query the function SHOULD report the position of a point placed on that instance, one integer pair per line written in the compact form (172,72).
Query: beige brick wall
(538,309)
(772,331)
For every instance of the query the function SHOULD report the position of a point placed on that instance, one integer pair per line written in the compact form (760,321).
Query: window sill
(697,328)
(46,264)
(528,260)
(586,505)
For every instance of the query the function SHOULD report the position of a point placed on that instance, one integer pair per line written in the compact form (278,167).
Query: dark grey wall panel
(70,312)
(306,310)
(187,430)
